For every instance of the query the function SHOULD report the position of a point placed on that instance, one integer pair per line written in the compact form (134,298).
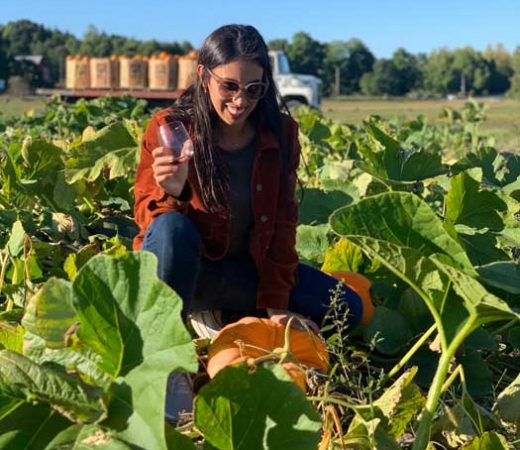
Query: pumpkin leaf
(29,427)
(389,329)
(239,410)
(132,320)
(488,441)
(402,219)
(114,147)
(312,242)
(400,402)
(508,401)
(343,256)
(21,378)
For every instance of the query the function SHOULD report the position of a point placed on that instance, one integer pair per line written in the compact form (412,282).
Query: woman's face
(235,107)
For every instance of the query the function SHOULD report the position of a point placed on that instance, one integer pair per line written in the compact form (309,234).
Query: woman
(223,224)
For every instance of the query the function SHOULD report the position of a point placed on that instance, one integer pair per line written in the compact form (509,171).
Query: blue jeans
(230,283)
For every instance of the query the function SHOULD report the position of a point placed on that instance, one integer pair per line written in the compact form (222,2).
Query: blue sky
(418,26)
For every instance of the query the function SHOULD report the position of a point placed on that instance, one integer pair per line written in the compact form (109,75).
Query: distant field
(16,106)
(503,116)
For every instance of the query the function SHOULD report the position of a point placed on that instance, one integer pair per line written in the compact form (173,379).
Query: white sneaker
(179,397)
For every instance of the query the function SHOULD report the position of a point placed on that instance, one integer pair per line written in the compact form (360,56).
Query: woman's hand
(282,316)
(169,173)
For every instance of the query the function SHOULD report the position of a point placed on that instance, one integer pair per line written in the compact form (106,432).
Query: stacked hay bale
(162,71)
(104,72)
(187,69)
(133,72)
(77,72)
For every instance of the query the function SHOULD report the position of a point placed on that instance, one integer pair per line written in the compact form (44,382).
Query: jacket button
(259,187)
(263,219)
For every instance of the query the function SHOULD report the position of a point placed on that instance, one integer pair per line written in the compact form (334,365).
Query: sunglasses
(230,89)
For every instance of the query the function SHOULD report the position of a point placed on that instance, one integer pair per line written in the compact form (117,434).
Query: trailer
(154,97)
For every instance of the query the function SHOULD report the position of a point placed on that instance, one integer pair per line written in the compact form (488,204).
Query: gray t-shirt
(239,164)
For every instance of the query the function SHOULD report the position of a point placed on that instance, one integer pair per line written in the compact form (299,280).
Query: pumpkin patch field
(426,218)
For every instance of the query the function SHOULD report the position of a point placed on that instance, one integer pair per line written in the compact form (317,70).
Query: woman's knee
(172,227)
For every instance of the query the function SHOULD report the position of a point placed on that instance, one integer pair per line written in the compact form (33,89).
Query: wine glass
(173,135)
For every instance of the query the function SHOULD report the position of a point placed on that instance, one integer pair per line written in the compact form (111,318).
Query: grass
(503,115)
(16,106)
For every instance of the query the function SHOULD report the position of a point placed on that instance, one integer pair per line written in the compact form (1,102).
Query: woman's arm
(153,174)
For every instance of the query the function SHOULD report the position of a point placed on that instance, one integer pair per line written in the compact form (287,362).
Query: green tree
(514,91)
(21,36)
(408,69)
(96,43)
(499,60)
(306,55)
(472,67)
(353,59)
(383,80)
(3,60)
(440,76)
(278,44)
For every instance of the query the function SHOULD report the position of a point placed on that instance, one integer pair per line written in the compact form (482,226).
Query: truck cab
(295,89)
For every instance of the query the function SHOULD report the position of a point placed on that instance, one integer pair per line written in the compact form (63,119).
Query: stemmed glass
(173,135)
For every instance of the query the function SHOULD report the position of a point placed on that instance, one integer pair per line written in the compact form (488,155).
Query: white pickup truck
(295,89)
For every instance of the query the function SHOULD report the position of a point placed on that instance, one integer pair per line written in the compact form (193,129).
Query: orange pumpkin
(252,337)
(361,286)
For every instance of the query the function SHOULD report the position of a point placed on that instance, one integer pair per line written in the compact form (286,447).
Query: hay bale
(77,70)
(187,70)
(162,72)
(104,73)
(133,72)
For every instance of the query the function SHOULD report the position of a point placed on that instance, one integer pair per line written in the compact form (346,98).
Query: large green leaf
(40,158)
(11,336)
(478,377)
(312,242)
(416,270)
(467,204)
(343,256)
(433,280)
(488,441)
(42,173)
(394,409)
(508,401)
(50,313)
(476,215)
(132,319)
(112,147)
(401,402)
(497,168)
(30,427)
(264,409)
(389,329)
(389,160)
(50,323)
(502,275)
(480,303)
(400,218)
(17,239)
(21,378)
(318,205)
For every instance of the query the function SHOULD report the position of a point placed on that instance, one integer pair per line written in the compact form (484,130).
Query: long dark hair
(223,46)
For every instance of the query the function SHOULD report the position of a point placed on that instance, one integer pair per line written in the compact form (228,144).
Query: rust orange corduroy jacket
(275,210)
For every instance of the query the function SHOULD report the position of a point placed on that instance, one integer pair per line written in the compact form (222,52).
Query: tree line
(346,67)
